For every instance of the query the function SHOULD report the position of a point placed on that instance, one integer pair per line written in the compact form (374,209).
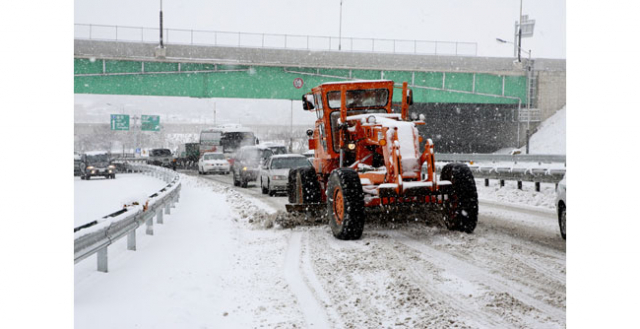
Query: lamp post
(161,43)
(528,68)
(340,29)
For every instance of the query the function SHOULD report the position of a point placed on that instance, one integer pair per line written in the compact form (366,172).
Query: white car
(211,162)
(561,206)
(274,175)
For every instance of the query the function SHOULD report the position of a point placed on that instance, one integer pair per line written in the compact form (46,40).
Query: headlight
(245,168)
(90,167)
(351,146)
(112,167)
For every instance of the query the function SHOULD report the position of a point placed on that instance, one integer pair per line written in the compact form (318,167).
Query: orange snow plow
(368,157)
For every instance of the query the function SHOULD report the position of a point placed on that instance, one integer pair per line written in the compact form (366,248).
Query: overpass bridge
(454,92)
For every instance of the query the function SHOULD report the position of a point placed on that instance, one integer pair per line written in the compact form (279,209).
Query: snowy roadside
(202,268)
(98,197)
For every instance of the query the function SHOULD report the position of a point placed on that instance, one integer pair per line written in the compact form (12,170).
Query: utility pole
(135,131)
(161,43)
(291,127)
(340,29)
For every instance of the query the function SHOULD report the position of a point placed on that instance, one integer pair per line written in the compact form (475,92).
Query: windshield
(252,156)
(278,149)
(233,140)
(160,152)
(335,115)
(214,157)
(360,98)
(289,163)
(211,138)
(98,158)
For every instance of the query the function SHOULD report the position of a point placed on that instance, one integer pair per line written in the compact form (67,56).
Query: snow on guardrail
(97,235)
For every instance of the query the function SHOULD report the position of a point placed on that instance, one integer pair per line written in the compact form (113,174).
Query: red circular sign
(298,83)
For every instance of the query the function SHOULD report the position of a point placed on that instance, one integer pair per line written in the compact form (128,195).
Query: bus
(226,138)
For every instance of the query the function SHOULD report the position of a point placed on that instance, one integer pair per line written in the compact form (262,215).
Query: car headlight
(90,167)
(111,167)
(245,168)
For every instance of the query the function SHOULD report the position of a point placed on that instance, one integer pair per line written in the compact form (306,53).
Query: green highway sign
(119,122)
(150,122)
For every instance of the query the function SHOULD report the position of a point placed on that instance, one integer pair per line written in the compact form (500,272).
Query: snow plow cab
(367,158)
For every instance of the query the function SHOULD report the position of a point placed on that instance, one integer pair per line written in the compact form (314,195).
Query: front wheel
(462,208)
(345,204)
(236,182)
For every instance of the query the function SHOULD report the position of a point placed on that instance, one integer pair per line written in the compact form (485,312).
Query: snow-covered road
(223,259)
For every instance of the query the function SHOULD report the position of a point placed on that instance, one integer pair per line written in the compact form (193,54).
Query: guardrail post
(159,217)
(131,240)
(103,260)
(150,225)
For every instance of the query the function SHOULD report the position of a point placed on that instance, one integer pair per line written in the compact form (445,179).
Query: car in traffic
(97,164)
(213,162)
(274,175)
(245,166)
(161,157)
(561,206)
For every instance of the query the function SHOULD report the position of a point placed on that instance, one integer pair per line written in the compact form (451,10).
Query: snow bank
(551,136)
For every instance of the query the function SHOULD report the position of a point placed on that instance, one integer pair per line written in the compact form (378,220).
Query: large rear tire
(462,210)
(345,204)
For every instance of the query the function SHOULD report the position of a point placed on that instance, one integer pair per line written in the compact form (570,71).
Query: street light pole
(520,31)
(528,69)
(161,43)
(340,29)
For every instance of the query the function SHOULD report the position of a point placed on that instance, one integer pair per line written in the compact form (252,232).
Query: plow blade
(305,207)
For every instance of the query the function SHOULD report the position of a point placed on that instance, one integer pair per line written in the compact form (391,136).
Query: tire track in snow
(462,269)
(471,313)
(314,313)
(314,284)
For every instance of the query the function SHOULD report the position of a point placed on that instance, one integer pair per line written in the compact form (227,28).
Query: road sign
(119,122)
(150,123)
(527,26)
(298,83)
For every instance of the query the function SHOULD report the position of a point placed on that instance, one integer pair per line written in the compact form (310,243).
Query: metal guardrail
(97,236)
(273,41)
(501,172)
(477,157)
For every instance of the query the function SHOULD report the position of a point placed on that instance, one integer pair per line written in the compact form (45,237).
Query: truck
(368,158)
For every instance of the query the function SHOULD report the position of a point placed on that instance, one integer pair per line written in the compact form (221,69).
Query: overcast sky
(445,20)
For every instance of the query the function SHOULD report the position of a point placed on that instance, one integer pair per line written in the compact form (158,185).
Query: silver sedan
(274,174)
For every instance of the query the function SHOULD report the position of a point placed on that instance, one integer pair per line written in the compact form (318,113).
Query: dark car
(246,164)
(161,157)
(97,164)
